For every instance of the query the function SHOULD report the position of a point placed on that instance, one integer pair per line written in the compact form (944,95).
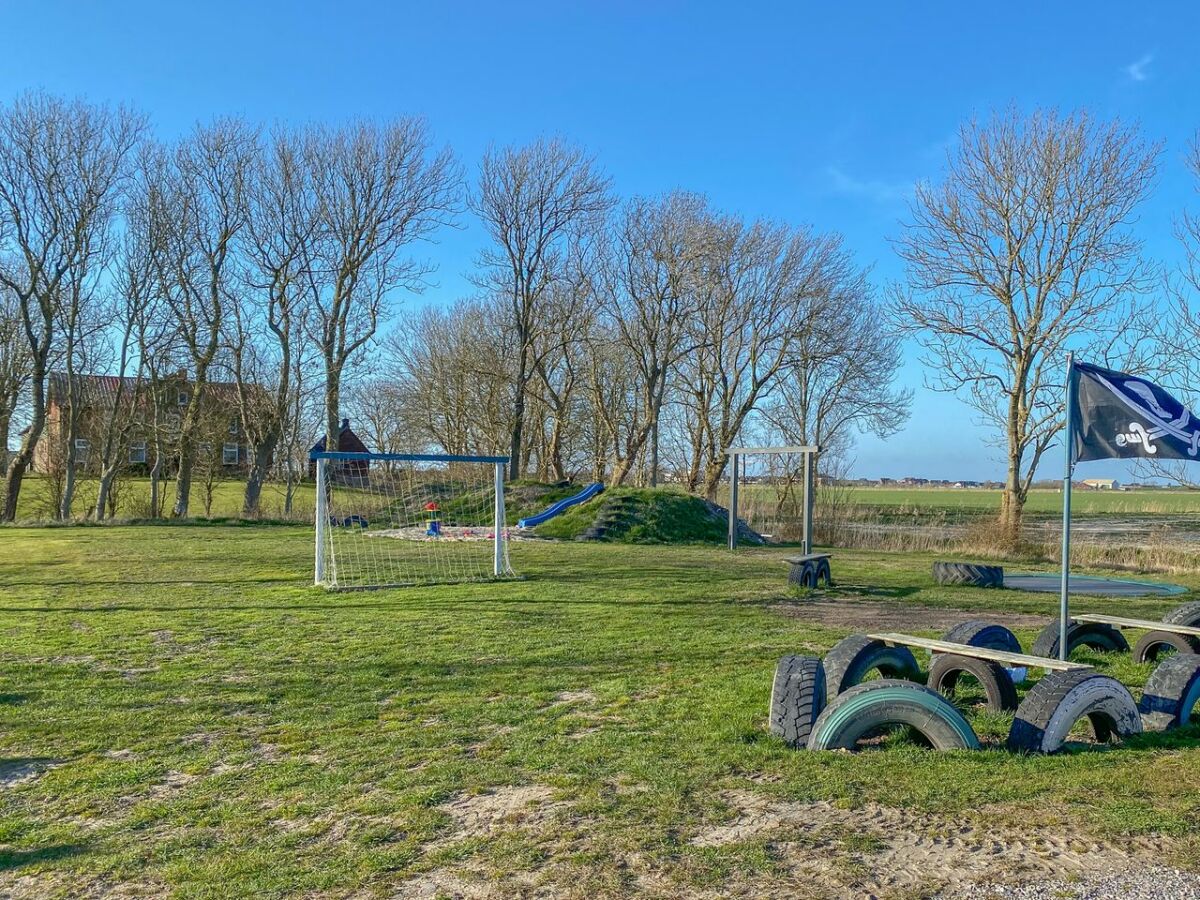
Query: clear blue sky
(815,113)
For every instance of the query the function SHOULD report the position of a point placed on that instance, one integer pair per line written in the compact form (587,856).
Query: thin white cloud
(1137,70)
(868,189)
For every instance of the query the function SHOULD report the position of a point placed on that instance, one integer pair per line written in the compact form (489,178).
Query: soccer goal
(389,519)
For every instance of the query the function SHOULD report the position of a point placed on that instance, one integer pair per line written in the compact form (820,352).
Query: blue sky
(812,113)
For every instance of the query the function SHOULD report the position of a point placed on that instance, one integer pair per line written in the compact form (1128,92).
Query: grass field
(1142,502)
(183,714)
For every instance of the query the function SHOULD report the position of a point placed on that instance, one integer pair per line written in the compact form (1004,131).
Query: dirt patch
(883,851)
(584,696)
(20,771)
(873,615)
(530,807)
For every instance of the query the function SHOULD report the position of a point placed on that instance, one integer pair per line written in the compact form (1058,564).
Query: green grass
(197,720)
(1140,502)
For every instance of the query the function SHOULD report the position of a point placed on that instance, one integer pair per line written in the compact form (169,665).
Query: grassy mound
(639,516)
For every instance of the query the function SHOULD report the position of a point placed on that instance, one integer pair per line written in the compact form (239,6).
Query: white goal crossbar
(389,519)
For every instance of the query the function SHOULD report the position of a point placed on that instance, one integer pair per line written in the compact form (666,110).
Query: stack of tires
(825,704)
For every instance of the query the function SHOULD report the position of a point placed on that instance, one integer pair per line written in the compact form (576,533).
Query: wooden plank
(1000,656)
(1148,624)
(801,560)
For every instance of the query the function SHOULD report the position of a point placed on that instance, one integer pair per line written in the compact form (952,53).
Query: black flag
(1120,416)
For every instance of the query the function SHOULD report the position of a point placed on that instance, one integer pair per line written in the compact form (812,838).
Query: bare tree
(379,189)
(1022,252)
(1176,330)
(533,201)
(649,292)
(269,354)
(14,367)
(62,165)
(197,203)
(839,378)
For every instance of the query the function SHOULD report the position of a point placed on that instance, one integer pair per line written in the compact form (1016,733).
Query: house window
(137,452)
(229,454)
(204,448)
(81,451)
(172,420)
(183,398)
(233,426)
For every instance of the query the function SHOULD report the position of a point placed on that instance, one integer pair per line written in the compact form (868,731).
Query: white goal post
(392,519)
(737,466)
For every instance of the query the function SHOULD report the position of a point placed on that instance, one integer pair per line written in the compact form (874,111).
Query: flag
(1121,416)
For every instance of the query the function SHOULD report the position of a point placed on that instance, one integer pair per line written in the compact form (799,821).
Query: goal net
(386,519)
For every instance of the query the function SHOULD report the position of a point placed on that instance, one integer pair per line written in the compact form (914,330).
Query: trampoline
(1051,583)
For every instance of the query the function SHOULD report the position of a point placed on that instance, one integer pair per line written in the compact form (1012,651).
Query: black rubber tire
(1153,643)
(889,701)
(1187,614)
(797,698)
(803,577)
(1171,693)
(1094,635)
(992,677)
(971,574)
(851,659)
(978,633)
(824,573)
(1061,699)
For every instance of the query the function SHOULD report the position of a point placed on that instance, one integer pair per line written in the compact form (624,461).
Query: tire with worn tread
(970,574)
(852,659)
(867,707)
(1152,644)
(1093,635)
(1058,701)
(824,573)
(1187,614)
(980,633)
(1171,693)
(797,698)
(997,684)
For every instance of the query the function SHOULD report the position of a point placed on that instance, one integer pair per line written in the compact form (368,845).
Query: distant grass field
(1141,502)
(183,714)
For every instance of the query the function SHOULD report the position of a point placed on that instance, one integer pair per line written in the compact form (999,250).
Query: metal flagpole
(733,501)
(1064,603)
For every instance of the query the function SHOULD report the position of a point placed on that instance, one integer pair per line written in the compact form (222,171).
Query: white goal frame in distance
(736,453)
(321,458)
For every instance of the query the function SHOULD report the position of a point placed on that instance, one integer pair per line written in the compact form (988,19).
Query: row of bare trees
(635,340)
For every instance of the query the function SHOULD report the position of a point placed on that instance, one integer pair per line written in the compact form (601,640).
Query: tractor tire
(824,573)
(1154,644)
(1093,635)
(1061,699)
(970,574)
(867,707)
(1188,614)
(997,684)
(852,659)
(1172,693)
(797,698)
(978,633)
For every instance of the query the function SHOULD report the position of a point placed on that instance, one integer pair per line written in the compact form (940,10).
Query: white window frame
(136,448)
(234,425)
(85,445)
(226,449)
(183,398)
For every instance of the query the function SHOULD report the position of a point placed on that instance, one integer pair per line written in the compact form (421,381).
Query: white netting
(389,520)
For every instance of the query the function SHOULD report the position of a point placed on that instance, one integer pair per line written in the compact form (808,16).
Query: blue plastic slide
(550,512)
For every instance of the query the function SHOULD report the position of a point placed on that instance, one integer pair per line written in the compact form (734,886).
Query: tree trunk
(1012,506)
(68,494)
(183,481)
(258,474)
(713,473)
(333,399)
(518,427)
(102,488)
(654,454)
(24,456)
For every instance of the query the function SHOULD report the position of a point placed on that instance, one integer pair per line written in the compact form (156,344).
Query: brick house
(220,440)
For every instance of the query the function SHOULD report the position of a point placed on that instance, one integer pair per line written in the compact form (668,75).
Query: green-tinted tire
(888,701)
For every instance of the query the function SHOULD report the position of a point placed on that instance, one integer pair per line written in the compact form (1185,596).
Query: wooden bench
(1016,660)
(1149,625)
(808,571)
